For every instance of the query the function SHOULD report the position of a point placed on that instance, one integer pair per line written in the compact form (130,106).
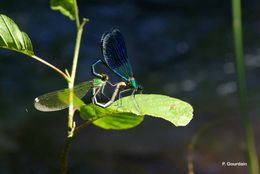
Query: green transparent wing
(58,100)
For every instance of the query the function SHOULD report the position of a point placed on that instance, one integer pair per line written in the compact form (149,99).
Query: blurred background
(180,48)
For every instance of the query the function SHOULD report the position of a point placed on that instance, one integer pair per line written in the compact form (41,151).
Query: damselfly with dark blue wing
(115,57)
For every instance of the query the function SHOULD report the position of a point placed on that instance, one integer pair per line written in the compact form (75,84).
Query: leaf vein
(17,46)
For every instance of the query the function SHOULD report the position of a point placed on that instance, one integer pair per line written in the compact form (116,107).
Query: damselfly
(58,100)
(115,58)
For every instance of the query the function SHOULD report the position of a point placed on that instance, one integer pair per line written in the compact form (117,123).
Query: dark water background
(180,48)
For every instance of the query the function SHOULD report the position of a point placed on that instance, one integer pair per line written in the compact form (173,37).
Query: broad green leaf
(11,37)
(108,118)
(119,121)
(171,109)
(66,7)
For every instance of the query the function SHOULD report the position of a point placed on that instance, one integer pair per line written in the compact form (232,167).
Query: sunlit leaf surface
(66,7)
(11,37)
(123,111)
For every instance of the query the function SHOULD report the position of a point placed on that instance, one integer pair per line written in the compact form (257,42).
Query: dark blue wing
(114,52)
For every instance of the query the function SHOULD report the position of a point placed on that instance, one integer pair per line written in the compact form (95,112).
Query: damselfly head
(133,83)
(104,77)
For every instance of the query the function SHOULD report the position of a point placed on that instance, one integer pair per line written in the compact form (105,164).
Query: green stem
(238,44)
(71,124)
(51,66)
(76,52)
(76,14)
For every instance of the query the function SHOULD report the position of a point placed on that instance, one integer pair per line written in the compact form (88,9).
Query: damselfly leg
(93,71)
(132,96)
(104,105)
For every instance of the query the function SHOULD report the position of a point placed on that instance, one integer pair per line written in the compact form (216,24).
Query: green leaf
(66,7)
(121,114)
(11,37)
(171,109)
(119,121)
(108,118)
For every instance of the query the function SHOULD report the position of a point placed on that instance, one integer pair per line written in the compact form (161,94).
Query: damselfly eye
(104,77)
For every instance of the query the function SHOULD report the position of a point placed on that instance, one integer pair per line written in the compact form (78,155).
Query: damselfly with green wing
(60,99)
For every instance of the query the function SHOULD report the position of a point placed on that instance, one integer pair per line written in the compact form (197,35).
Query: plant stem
(76,52)
(66,150)
(71,124)
(51,66)
(65,155)
(76,14)
(238,44)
